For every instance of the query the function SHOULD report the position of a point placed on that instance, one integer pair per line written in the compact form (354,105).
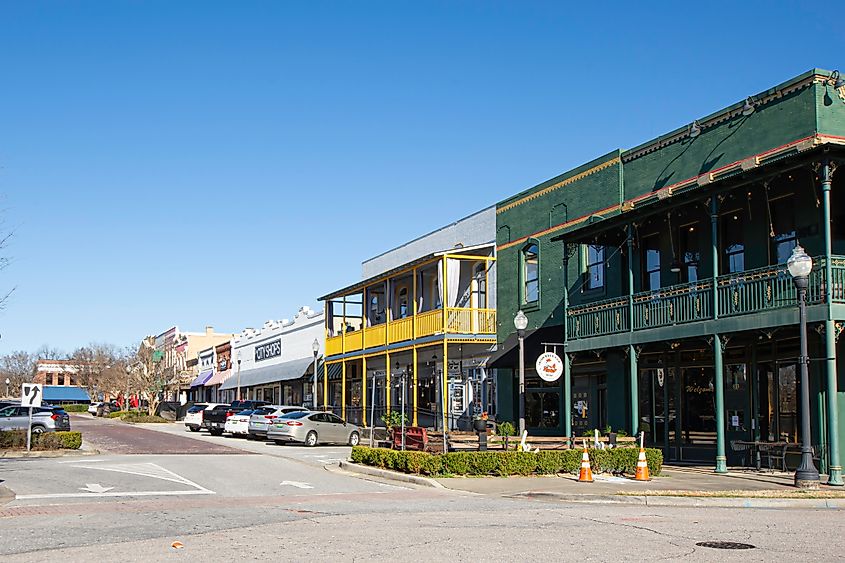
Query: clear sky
(224,163)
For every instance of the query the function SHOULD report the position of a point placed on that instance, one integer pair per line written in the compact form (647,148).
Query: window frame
(523,272)
(588,265)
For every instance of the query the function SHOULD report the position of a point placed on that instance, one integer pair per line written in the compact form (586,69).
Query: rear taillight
(229,413)
(270,416)
(55,416)
(293,423)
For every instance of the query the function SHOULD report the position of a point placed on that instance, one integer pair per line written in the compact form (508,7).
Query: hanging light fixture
(675,267)
(836,79)
(694,130)
(748,108)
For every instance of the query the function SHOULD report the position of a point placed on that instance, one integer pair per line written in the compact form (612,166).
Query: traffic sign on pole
(31,394)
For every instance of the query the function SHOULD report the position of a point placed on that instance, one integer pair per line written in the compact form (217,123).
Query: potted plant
(479,422)
(506,430)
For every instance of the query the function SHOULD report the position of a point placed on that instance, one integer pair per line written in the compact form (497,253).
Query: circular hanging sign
(549,366)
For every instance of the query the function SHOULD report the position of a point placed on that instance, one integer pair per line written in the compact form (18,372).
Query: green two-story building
(658,273)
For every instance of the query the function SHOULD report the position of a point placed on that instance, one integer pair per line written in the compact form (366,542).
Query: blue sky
(225,163)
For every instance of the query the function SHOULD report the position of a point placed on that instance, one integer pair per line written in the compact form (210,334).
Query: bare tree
(146,373)
(101,368)
(5,237)
(18,367)
(47,352)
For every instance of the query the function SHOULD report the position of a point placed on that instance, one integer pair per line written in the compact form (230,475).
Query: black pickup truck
(214,419)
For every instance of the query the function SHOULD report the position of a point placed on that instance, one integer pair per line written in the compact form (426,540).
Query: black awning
(506,355)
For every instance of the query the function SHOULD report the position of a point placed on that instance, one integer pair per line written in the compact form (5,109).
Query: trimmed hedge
(16,440)
(75,408)
(548,462)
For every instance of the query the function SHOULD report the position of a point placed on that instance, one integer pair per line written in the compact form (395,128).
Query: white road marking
(296,484)
(147,470)
(95,488)
(114,494)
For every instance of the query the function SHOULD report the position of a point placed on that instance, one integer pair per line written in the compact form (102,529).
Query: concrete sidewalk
(671,479)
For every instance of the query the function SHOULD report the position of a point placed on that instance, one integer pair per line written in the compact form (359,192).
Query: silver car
(263,417)
(312,428)
(44,419)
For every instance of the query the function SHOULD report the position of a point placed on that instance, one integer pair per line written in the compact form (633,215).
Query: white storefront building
(275,363)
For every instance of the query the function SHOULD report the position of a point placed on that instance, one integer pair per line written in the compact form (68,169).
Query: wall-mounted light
(836,79)
(694,130)
(748,107)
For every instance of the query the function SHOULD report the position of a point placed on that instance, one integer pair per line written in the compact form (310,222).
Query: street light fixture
(315,347)
(800,265)
(7,386)
(520,321)
(239,376)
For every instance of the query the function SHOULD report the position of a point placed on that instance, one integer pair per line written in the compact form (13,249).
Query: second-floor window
(651,263)
(783,229)
(733,243)
(530,274)
(595,266)
(690,252)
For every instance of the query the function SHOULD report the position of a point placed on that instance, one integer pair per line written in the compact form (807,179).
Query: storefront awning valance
(65,393)
(284,371)
(202,378)
(218,378)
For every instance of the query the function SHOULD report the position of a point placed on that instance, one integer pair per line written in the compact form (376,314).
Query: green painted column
(719,381)
(835,469)
(567,394)
(635,396)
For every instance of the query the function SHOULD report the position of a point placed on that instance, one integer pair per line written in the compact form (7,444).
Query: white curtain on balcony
(453,275)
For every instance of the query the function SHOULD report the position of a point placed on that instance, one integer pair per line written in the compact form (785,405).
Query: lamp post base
(834,477)
(807,484)
(806,476)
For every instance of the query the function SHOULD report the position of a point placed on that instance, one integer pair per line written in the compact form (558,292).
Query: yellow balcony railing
(470,321)
(401,330)
(375,336)
(334,345)
(354,341)
(430,322)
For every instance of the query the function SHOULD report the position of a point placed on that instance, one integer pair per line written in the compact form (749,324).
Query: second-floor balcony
(456,320)
(741,293)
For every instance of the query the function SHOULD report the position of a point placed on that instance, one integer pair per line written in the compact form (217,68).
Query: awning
(284,371)
(218,378)
(202,378)
(65,393)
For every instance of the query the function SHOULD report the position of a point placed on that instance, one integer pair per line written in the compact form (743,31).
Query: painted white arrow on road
(95,488)
(296,484)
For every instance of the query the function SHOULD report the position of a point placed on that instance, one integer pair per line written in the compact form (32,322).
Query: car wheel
(215,432)
(38,429)
(194,428)
(279,442)
(354,438)
(311,439)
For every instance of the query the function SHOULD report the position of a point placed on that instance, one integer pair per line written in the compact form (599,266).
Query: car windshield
(245,412)
(197,408)
(263,410)
(295,415)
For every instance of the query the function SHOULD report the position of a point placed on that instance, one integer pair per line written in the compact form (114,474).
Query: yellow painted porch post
(363,390)
(445,296)
(325,386)
(444,394)
(414,354)
(387,381)
(343,390)
(414,315)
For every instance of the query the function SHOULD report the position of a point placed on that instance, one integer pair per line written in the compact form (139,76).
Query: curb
(23,454)
(7,495)
(391,475)
(692,502)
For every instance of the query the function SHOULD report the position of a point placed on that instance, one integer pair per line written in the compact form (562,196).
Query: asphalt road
(283,505)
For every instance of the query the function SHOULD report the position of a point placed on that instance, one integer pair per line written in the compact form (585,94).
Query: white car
(238,423)
(193,418)
(92,408)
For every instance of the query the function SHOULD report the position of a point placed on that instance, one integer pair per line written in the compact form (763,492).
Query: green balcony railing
(742,293)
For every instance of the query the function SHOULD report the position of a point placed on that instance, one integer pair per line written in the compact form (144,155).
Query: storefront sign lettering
(269,350)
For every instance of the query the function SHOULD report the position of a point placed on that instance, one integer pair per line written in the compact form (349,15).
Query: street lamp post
(315,347)
(520,321)
(7,386)
(239,376)
(402,376)
(126,397)
(800,265)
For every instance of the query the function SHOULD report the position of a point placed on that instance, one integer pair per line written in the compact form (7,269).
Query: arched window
(530,274)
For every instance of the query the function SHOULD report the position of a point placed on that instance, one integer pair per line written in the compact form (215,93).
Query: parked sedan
(238,423)
(44,419)
(312,428)
(263,417)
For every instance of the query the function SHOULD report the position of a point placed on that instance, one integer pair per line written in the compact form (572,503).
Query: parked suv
(44,419)
(194,416)
(262,418)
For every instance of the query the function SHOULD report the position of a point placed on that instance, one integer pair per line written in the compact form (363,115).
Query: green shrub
(506,429)
(134,416)
(75,408)
(16,440)
(503,463)
(116,414)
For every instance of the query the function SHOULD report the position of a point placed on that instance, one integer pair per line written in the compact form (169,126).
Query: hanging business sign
(549,367)
(269,350)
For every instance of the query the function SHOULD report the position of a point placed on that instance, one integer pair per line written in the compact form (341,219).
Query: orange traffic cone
(586,475)
(642,466)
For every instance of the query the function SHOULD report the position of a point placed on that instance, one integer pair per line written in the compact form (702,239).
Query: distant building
(176,352)
(59,380)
